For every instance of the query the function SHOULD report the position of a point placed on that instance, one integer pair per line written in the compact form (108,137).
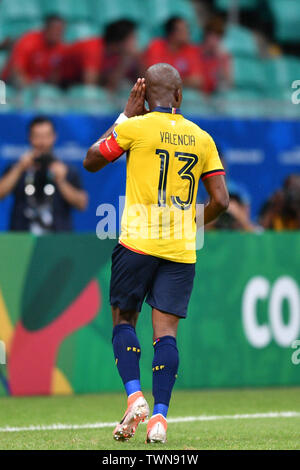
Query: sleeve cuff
(207,174)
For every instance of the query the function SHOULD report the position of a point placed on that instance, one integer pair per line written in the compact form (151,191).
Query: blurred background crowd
(237,58)
(228,52)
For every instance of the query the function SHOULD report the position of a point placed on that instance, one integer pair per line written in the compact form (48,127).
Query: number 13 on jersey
(185,172)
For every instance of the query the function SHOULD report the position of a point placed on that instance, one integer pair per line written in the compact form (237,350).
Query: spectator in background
(282,210)
(83,62)
(237,216)
(238,213)
(121,57)
(45,189)
(215,62)
(106,61)
(6,44)
(176,49)
(267,48)
(37,55)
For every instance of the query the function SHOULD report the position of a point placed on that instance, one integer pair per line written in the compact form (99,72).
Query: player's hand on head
(136,102)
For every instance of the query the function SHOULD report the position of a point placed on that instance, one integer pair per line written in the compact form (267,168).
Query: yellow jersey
(166,156)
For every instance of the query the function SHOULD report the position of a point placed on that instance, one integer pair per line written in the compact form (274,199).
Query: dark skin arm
(94,161)
(218,197)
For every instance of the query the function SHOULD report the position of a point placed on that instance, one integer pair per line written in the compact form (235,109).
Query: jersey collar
(161,109)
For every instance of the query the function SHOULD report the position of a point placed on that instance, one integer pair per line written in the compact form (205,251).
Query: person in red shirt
(121,57)
(37,55)
(83,61)
(106,61)
(215,61)
(177,50)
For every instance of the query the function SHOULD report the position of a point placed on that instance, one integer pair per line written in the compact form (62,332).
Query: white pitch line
(61,427)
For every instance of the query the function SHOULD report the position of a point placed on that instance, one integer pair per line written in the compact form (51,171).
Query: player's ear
(178,97)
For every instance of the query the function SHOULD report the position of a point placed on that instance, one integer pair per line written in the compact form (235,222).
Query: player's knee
(160,332)
(124,317)
(167,329)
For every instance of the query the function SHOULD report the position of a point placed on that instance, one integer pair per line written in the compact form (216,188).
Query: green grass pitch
(226,433)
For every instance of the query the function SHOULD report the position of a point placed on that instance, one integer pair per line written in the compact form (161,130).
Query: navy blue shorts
(168,285)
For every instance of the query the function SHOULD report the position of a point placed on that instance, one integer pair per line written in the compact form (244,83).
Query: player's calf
(165,367)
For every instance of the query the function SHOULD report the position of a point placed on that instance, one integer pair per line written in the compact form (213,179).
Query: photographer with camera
(44,188)
(282,210)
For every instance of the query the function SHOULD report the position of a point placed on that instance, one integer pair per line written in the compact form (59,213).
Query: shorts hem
(127,309)
(165,310)
(155,255)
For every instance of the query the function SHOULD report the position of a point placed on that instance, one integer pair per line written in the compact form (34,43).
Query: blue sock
(165,367)
(161,409)
(127,351)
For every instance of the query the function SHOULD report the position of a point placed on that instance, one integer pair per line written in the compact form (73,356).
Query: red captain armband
(110,149)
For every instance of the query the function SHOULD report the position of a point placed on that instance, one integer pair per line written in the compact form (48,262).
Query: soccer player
(166,157)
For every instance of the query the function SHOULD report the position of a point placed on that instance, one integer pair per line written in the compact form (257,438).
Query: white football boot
(157,429)
(137,411)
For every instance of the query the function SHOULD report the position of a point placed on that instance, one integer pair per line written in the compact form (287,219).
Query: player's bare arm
(218,197)
(94,160)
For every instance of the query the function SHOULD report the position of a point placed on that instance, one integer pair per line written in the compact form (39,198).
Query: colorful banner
(243,325)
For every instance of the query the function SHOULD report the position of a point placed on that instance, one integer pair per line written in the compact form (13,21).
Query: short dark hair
(215,25)
(40,120)
(51,18)
(118,31)
(171,24)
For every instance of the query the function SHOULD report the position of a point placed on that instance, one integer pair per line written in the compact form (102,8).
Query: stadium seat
(157,12)
(10,98)
(70,10)
(248,103)
(48,99)
(105,12)
(3,59)
(244,4)
(249,73)
(26,97)
(194,102)
(20,9)
(280,74)
(286,14)
(81,30)
(242,103)
(123,93)
(91,99)
(240,41)
(18,16)
(144,36)
(15,28)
